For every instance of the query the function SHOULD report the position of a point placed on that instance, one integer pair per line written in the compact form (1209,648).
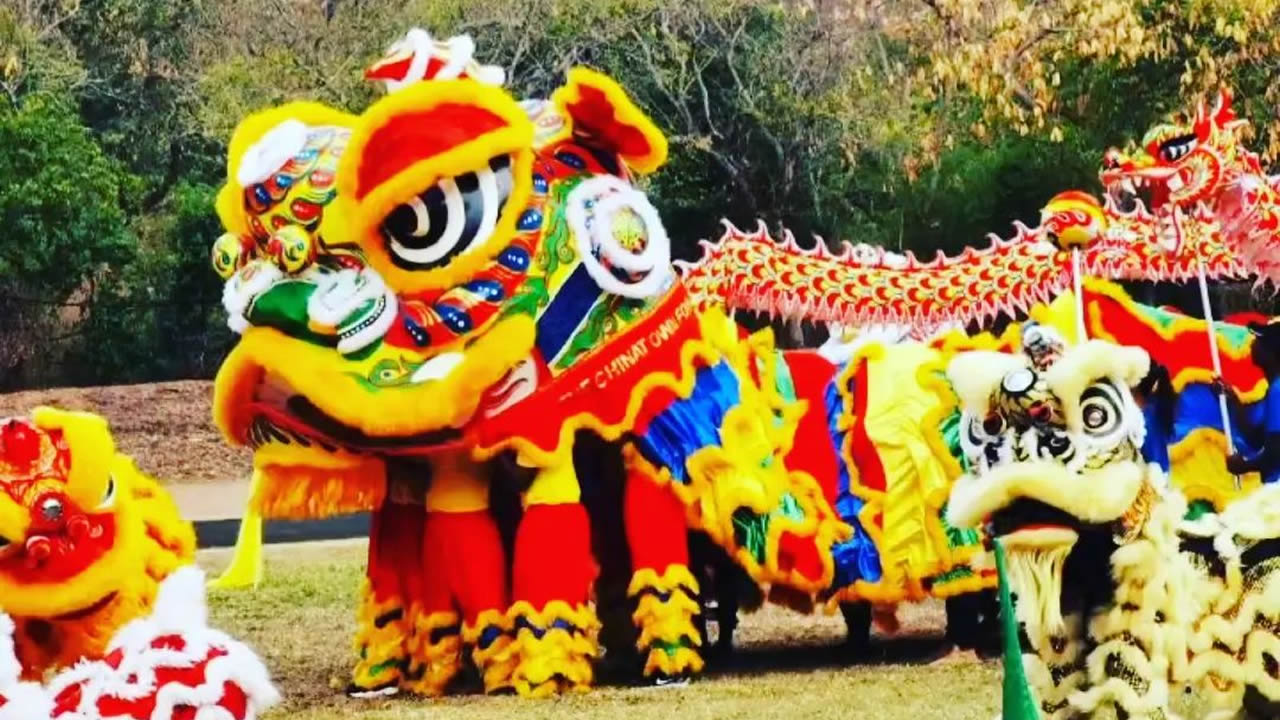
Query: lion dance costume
(1126,600)
(84,537)
(94,592)
(434,297)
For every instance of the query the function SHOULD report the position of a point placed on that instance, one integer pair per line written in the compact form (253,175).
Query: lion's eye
(1100,409)
(109,495)
(448,218)
(984,429)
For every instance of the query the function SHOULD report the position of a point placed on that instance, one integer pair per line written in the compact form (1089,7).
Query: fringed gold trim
(560,659)
(682,661)
(432,665)
(381,650)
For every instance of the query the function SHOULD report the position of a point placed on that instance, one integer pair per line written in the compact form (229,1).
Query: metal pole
(1213,355)
(1077,280)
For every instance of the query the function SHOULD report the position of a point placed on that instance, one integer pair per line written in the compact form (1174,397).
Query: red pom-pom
(19,442)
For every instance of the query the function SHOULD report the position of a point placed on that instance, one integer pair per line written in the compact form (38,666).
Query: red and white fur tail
(169,665)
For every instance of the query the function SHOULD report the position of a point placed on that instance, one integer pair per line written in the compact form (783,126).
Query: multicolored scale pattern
(864,285)
(298,193)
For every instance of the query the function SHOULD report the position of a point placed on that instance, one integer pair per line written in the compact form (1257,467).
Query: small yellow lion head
(84,536)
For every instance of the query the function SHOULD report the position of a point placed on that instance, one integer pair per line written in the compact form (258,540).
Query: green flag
(1019,703)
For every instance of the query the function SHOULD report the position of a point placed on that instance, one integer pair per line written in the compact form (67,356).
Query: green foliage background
(115,113)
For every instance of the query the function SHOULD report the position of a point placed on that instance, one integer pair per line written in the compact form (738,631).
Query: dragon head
(78,522)
(448,225)
(1052,441)
(1183,168)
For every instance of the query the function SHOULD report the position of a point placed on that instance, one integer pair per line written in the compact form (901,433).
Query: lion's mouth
(1026,515)
(284,417)
(93,609)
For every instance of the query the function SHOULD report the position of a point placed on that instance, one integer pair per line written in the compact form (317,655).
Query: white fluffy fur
(1088,363)
(975,375)
(179,610)
(1110,491)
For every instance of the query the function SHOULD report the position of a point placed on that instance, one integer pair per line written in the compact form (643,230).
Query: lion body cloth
(85,538)
(1127,602)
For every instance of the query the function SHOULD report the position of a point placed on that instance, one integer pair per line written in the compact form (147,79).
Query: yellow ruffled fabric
(495,662)
(558,661)
(381,650)
(668,636)
(433,665)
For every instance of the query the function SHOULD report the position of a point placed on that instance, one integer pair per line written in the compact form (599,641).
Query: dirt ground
(166,427)
(786,665)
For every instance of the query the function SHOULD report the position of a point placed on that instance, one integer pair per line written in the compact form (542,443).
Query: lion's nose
(39,549)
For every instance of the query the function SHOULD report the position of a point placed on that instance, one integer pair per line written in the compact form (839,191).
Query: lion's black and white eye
(448,218)
(109,494)
(982,430)
(1101,409)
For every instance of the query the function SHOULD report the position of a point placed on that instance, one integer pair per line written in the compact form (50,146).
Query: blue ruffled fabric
(1155,449)
(1197,407)
(856,558)
(691,424)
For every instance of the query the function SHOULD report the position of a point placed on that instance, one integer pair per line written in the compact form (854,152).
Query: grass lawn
(787,665)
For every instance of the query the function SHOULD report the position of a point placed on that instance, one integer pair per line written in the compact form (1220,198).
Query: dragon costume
(1125,599)
(85,538)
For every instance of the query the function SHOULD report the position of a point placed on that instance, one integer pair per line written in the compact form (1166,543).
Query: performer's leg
(556,627)
(383,623)
(666,591)
(465,594)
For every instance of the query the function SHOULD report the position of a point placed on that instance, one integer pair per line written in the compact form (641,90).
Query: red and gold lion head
(84,536)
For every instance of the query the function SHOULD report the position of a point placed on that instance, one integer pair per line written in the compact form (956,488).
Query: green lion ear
(1018,701)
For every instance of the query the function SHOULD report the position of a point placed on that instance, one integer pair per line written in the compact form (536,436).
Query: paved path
(211,501)
(216,508)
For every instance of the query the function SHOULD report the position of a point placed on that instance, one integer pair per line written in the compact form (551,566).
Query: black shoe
(666,682)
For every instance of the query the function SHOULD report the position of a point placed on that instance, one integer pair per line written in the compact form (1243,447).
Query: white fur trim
(1094,497)
(180,610)
(26,701)
(975,375)
(10,670)
(461,50)
(240,290)
(591,208)
(275,148)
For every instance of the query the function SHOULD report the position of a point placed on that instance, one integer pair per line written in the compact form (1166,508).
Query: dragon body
(1190,199)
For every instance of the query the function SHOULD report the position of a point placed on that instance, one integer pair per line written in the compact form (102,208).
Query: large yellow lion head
(400,276)
(84,536)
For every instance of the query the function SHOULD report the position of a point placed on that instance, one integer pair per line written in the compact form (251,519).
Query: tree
(62,222)
(1023,61)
